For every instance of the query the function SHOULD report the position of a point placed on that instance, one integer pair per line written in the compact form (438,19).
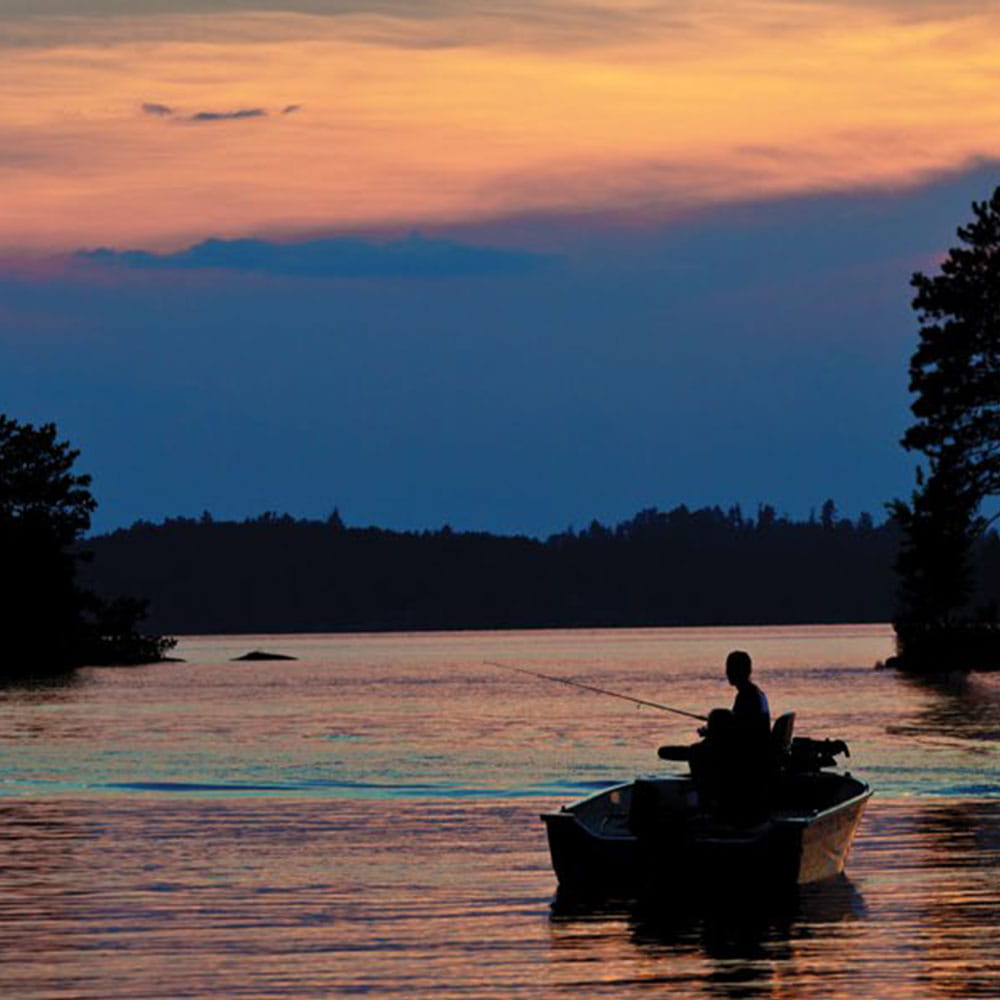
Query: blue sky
(503,268)
(755,354)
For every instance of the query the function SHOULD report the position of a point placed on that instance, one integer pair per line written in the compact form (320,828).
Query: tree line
(705,566)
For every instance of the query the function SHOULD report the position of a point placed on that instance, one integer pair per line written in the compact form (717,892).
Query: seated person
(730,764)
(750,708)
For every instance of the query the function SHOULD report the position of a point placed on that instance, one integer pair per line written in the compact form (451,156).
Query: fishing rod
(596,690)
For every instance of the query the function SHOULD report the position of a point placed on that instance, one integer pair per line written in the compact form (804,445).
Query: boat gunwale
(568,812)
(600,793)
(862,796)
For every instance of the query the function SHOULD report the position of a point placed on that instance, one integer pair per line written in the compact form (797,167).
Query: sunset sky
(502,265)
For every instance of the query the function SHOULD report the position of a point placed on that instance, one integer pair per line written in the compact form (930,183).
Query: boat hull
(824,841)
(648,834)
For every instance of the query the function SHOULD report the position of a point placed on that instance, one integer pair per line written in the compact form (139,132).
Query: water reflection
(965,706)
(961,858)
(32,690)
(365,821)
(742,948)
(966,835)
(733,950)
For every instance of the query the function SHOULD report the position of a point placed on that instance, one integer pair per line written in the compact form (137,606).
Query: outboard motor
(811,755)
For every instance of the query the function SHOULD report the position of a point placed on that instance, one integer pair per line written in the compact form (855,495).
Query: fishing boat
(666,831)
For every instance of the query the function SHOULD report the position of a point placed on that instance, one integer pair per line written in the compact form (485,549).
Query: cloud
(415,256)
(645,123)
(424,23)
(220,116)
(155,110)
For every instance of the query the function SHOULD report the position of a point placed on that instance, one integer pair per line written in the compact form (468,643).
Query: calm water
(363,821)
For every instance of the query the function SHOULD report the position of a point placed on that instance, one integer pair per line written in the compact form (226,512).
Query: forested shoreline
(677,567)
(51,623)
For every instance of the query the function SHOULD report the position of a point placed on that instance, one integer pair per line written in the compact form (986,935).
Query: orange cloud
(463,116)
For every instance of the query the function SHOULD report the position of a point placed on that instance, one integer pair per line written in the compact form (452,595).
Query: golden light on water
(364,819)
(399,122)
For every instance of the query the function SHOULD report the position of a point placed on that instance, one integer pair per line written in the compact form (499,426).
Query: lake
(363,821)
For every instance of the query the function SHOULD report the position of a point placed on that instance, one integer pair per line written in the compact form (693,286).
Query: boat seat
(781,735)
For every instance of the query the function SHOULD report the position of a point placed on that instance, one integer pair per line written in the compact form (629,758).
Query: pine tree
(955,379)
(955,371)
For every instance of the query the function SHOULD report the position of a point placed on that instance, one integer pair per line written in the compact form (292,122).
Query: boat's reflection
(718,926)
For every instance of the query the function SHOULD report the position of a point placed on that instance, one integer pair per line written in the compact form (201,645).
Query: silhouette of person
(748,753)
(729,765)
(751,711)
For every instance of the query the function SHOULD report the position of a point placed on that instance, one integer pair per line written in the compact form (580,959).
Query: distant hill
(680,567)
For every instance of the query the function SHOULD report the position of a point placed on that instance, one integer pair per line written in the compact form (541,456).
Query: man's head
(738,667)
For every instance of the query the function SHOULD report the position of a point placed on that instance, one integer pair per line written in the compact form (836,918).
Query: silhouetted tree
(955,376)
(766,517)
(38,487)
(44,508)
(828,515)
(47,622)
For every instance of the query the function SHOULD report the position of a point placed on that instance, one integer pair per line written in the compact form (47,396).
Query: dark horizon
(746,512)
(685,566)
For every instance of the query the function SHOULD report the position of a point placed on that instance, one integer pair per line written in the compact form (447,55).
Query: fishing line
(596,690)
